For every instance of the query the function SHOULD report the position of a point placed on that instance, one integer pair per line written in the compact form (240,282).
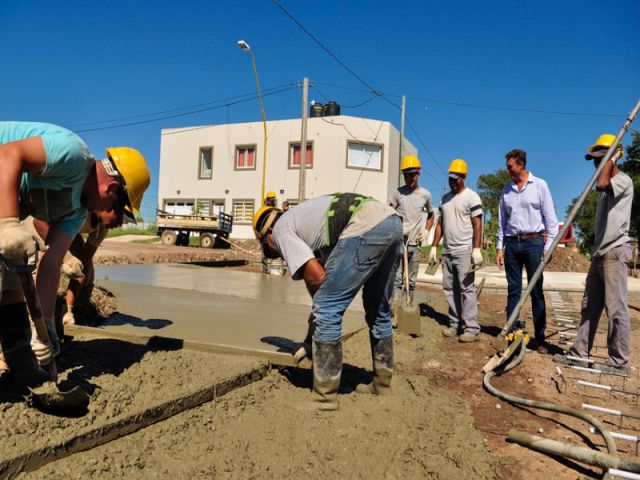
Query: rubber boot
(15,339)
(382,355)
(327,370)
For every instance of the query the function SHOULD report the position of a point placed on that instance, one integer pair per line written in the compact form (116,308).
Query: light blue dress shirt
(529,210)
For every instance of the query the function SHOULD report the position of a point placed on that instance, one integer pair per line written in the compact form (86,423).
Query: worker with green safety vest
(339,244)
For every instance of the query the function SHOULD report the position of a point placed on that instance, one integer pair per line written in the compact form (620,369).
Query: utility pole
(303,140)
(400,176)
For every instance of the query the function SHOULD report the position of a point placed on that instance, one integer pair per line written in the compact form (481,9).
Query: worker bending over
(411,201)
(606,284)
(460,225)
(48,172)
(339,244)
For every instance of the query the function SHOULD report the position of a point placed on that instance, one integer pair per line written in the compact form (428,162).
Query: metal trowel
(432,266)
(48,398)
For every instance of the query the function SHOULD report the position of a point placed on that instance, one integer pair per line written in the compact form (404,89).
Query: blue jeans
(527,253)
(365,261)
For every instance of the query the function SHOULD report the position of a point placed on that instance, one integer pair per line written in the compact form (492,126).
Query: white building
(219,167)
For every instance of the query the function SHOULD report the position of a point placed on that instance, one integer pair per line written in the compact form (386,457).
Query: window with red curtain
(296,153)
(245,157)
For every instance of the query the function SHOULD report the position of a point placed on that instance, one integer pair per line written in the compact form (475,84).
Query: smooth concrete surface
(222,281)
(495,278)
(212,305)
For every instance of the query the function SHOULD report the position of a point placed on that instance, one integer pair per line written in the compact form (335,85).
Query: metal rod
(620,436)
(623,474)
(567,223)
(610,411)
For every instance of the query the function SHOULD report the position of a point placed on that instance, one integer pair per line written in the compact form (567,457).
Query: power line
(184,114)
(484,106)
(321,45)
(142,115)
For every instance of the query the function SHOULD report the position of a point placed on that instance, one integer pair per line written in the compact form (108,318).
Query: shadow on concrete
(283,344)
(428,311)
(220,263)
(352,376)
(118,318)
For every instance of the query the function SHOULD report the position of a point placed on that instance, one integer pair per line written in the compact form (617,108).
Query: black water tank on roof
(316,109)
(331,109)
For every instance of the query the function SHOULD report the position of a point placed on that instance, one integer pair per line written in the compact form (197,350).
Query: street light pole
(245,46)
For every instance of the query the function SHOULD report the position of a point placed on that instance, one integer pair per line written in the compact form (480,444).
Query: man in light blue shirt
(527,226)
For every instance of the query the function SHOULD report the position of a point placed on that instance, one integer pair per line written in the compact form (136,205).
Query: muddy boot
(15,337)
(327,369)
(382,354)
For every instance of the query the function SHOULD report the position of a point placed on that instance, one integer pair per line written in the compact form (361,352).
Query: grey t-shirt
(613,215)
(410,205)
(302,230)
(457,212)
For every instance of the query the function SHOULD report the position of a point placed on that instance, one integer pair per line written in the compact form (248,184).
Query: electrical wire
(198,105)
(484,106)
(184,114)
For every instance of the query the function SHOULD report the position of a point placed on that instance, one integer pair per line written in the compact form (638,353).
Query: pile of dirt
(568,260)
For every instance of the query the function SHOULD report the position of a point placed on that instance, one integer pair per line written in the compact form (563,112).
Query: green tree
(631,166)
(490,187)
(585,221)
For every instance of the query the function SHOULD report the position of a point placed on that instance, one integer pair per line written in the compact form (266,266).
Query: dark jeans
(527,253)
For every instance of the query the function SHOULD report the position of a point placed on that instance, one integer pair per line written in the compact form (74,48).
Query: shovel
(48,398)
(407,315)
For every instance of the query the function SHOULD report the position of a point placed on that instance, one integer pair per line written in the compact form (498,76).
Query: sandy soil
(267,430)
(121,377)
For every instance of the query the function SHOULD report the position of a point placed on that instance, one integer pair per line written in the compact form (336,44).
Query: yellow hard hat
(604,141)
(134,172)
(271,194)
(458,166)
(263,220)
(410,162)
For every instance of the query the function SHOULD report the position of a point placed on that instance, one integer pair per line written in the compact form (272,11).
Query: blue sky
(74,63)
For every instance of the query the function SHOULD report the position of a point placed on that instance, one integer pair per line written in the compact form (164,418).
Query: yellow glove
(72,266)
(16,241)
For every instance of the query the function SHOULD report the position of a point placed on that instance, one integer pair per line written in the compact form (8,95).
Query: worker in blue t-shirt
(49,173)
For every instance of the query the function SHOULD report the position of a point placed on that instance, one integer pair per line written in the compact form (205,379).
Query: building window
(179,207)
(242,211)
(205,163)
(295,154)
(364,156)
(206,207)
(245,157)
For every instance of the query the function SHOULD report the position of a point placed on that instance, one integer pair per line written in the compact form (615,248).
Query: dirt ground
(440,423)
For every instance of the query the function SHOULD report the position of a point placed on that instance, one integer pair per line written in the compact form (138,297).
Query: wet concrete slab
(271,288)
(209,305)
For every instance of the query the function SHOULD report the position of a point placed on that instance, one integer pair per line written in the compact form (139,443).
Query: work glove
(16,241)
(423,238)
(432,254)
(406,231)
(617,155)
(42,351)
(72,266)
(68,318)
(476,255)
(45,352)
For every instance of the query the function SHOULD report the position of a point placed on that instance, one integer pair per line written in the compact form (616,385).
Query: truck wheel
(206,240)
(183,239)
(168,237)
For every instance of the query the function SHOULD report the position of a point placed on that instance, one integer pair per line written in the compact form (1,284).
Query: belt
(525,236)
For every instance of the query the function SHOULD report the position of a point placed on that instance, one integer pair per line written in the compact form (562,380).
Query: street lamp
(245,46)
